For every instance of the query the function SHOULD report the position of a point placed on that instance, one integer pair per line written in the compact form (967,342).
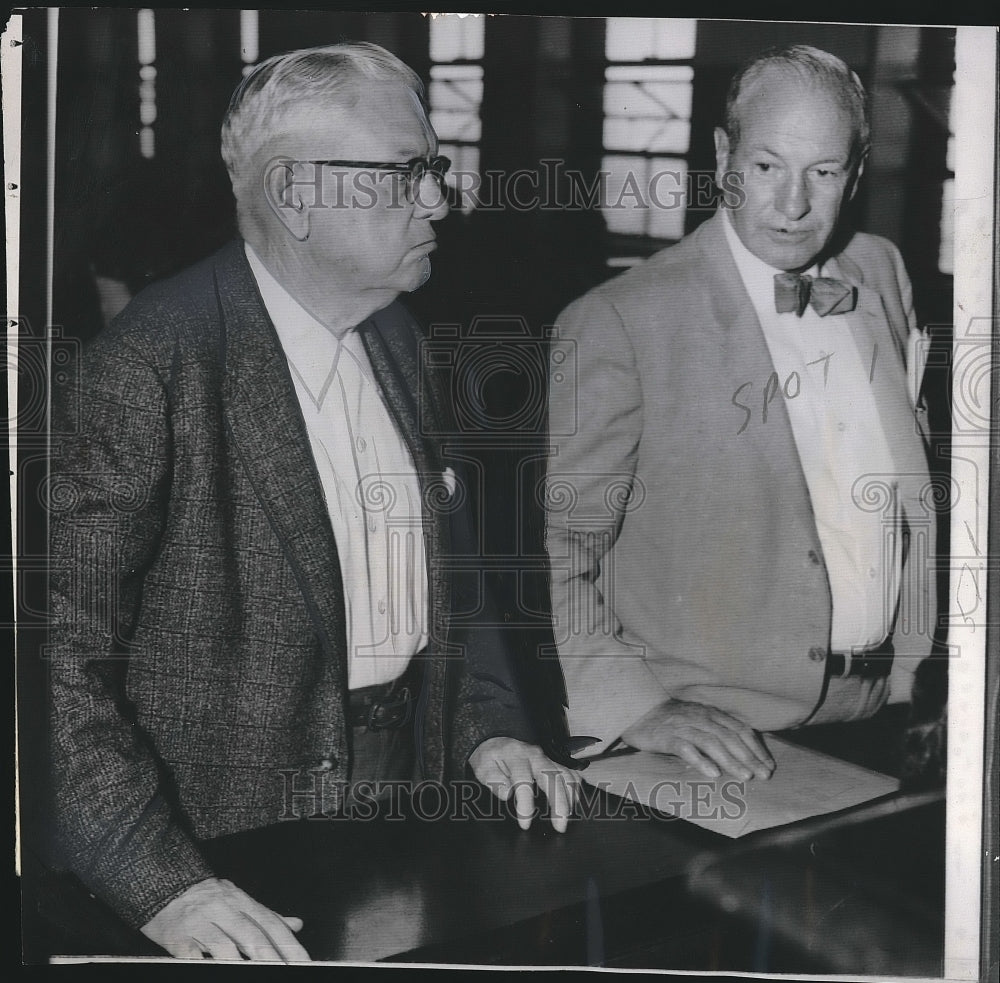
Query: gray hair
(812,66)
(272,88)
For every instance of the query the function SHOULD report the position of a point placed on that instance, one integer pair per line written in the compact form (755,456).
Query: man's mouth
(791,235)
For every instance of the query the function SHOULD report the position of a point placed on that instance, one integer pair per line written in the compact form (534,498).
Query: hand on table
(707,738)
(215,918)
(506,765)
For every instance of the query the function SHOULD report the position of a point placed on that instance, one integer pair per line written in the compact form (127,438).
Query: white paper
(805,783)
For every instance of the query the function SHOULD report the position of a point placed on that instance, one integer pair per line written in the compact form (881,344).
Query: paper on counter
(805,783)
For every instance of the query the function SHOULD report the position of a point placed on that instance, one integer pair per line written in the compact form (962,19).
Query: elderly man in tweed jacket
(232,596)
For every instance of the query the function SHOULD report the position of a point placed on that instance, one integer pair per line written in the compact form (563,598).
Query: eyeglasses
(414,171)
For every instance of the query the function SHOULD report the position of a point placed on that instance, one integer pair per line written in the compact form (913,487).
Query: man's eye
(397,181)
(763,166)
(825,172)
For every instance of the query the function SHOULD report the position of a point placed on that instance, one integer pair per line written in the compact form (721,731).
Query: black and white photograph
(500,490)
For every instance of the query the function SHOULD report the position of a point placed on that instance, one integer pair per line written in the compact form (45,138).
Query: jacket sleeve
(595,428)
(109,481)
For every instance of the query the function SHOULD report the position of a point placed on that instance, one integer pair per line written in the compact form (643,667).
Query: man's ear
(285,199)
(858,171)
(722,150)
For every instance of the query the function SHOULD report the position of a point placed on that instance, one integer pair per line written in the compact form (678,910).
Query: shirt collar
(758,276)
(311,348)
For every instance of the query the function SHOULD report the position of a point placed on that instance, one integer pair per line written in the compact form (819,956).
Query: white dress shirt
(370,483)
(828,379)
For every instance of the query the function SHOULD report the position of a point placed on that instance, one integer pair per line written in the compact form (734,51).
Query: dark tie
(792,291)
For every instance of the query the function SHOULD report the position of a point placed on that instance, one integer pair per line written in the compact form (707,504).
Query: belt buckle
(871,663)
(392,703)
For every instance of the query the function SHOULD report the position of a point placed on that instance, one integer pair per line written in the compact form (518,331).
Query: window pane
(456,93)
(457,36)
(649,73)
(657,99)
(623,208)
(674,38)
(456,72)
(449,125)
(669,136)
(636,38)
(645,196)
(667,197)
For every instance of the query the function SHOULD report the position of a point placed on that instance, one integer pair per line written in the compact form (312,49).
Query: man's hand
(709,739)
(215,918)
(506,765)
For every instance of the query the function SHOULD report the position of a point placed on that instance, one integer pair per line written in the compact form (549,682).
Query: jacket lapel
(389,337)
(267,429)
(748,359)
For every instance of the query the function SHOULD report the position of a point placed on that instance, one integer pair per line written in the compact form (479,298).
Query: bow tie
(792,291)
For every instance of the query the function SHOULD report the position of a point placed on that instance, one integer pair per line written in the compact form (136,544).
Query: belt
(386,706)
(868,663)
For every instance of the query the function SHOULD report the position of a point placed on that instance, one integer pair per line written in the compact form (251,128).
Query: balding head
(811,68)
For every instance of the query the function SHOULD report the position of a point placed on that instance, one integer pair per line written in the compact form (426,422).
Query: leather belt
(386,706)
(868,663)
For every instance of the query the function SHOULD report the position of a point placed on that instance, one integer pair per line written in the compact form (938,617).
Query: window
(249,39)
(647,129)
(146,30)
(946,252)
(456,89)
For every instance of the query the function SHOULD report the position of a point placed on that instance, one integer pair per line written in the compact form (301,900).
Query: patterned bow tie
(792,291)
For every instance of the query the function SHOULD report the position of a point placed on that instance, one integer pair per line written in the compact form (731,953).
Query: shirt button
(326,764)
(817,654)
(361,445)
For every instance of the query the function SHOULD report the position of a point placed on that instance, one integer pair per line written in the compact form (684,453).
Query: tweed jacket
(685,557)
(197,623)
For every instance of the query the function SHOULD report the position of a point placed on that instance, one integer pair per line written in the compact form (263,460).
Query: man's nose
(792,198)
(430,198)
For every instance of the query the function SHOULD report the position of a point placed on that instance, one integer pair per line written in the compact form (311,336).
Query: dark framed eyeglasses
(413,171)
